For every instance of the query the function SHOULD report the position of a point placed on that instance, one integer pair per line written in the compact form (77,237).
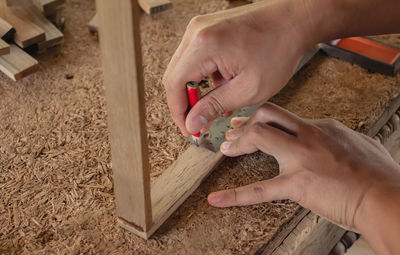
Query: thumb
(223,99)
(276,188)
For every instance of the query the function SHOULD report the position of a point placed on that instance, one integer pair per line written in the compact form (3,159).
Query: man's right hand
(250,52)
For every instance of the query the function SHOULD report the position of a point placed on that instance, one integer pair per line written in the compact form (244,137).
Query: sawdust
(55,167)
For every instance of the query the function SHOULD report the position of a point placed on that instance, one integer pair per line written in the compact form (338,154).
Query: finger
(260,136)
(278,117)
(187,69)
(223,99)
(277,188)
(233,134)
(238,122)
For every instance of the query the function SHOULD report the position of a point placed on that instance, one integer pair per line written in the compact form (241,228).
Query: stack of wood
(23,26)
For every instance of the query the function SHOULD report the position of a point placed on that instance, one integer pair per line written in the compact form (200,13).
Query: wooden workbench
(56,181)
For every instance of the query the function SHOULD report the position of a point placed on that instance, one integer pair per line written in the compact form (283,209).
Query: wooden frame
(140,208)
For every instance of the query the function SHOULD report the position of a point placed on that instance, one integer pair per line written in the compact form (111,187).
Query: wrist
(377,217)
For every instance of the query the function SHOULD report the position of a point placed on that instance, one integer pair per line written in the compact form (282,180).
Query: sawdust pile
(56,186)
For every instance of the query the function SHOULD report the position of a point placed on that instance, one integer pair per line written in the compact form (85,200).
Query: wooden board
(123,79)
(48,7)
(53,35)
(93,24)
(6,30)
(176,184)
(18,64)
(4,47)
(27,33)
(153,6)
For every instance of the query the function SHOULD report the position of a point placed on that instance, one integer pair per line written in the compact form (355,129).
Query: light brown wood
(153,6)
(6,30)
(176,184)
(313,235)
(27,33)
(53,35)
(48,7)
(4,48)
(17,64)
(123,79)
(93,24)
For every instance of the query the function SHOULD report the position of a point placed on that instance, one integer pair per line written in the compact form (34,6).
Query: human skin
(251,52)
(340,174)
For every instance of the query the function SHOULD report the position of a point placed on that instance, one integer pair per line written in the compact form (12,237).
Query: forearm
(332,19)
(378,219)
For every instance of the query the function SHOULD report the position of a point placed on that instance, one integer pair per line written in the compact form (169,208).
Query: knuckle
(214,105)
(263,111)
(255,132)
(204,36)
(259,191)
(196,21)
(301,181)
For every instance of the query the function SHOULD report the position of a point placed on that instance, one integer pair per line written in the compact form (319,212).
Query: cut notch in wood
(6,30)
(4,48)
(153,6)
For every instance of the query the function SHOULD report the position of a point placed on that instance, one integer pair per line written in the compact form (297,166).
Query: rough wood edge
(387,123)
(10,67)
(123,79)
(153,6)
(4,48)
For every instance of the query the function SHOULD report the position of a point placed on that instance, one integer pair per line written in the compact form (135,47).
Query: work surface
(56,191)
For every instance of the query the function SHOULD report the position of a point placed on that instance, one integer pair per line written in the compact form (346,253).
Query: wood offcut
(153,6)
(17,64)
(27,33)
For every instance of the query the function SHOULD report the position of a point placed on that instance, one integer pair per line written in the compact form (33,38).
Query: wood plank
(123,79)
(153,6)
(176,184)
(27,33)
(18,64)
(6,30)
(53,35)
(314,235)
(4,48)
(48,7)
(93,24)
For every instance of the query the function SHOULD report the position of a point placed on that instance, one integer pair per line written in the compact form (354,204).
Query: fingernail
(225,146)
(214,198)
(198,123)
(232,134)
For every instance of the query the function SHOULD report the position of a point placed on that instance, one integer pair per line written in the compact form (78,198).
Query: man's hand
(324,166)
(250,52)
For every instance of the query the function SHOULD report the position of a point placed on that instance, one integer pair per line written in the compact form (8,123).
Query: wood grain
(6,30)
(123,79)
(183,177)
(153,6)
(4,47)
(17,64)
(27,33)
(52,34)
(48,7)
